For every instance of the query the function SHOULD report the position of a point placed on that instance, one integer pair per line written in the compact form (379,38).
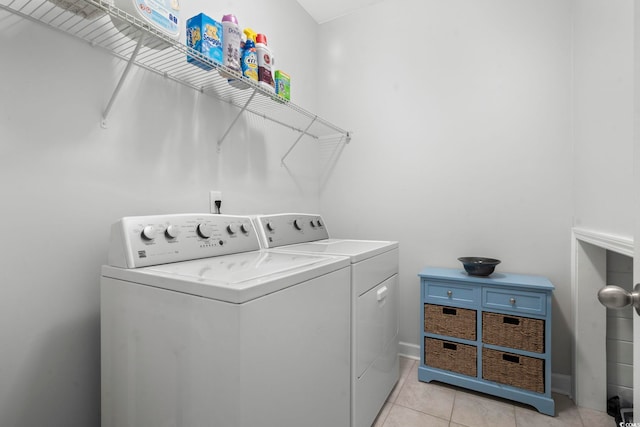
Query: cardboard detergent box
(204,35)
(283,84)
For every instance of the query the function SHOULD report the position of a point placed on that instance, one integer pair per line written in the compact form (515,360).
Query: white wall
(64,180)
(603,115)
(460,112)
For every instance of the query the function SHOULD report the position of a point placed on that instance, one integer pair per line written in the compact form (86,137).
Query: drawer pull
(449,346)
(512,301)
(450,311)
(449,293)
(511,320)
(511,358)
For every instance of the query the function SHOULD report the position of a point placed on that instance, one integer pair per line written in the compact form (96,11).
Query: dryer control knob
(149,232)
(204,231)
(244,228)
(319,223)
(270,226)
(297,224)
(231,229)
(172,231)
(312,224)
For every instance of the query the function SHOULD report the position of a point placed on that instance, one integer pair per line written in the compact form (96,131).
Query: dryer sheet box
(204,35)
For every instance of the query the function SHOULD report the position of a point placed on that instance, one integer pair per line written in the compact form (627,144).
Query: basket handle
(449,346)
(451,311)
(511,358)
(511,320)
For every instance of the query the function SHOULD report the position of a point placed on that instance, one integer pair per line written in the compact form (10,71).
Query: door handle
(615,297)
(382,293)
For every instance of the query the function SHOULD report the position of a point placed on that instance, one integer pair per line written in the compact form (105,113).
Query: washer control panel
(290,228)
(140,241)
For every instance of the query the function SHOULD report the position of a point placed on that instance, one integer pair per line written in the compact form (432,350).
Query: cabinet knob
(449,293)
(512,301)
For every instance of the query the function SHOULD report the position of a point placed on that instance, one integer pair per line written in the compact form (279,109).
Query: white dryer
(374,302)
(202,328)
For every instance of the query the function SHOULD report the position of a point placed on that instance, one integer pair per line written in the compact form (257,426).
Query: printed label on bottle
(250,66)
(163,13)
(264,70)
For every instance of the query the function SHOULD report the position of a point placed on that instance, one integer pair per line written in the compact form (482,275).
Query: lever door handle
(615,297)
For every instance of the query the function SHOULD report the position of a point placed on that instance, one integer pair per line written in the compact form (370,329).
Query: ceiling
(326,10)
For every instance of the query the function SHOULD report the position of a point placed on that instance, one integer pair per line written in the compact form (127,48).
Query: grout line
(453,405)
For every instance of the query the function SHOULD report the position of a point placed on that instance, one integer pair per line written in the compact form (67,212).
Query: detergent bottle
(250,56)
(265,63)
(231,39)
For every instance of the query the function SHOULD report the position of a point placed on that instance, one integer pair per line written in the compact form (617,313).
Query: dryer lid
(357,250)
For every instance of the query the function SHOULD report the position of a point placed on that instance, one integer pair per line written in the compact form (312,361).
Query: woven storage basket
(449,321)
(513,369)
(513,331)
(451,356)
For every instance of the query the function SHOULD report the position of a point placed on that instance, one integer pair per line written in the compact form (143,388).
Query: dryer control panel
(141,241)
(290,228)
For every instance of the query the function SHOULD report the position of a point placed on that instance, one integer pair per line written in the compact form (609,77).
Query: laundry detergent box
(205,36)
(283,84)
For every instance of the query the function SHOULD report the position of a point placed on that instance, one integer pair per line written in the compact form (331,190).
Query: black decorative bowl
(478,266)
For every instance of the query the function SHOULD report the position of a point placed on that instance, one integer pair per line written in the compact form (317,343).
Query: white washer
(374,296)
(202,328)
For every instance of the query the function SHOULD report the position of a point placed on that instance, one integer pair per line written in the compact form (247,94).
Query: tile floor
(416,404)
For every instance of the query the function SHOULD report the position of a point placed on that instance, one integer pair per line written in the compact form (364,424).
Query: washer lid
(233,278)
(357,250)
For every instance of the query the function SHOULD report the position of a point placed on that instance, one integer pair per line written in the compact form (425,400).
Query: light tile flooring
(417,404)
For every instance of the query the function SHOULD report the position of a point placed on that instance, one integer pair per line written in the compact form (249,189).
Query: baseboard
(412,351)
(560,383)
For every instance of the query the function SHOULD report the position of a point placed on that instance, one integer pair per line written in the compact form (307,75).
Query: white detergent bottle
(265,64)
(161,15)
(231,39)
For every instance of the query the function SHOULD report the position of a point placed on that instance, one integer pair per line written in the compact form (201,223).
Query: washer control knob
(204,231)
(270,226)
(312,224)
(231,229)
(149,232)
(297,224)
(319,223)
(244,228)
(172,231)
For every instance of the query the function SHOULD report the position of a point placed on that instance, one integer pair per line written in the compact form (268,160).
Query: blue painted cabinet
(489,334)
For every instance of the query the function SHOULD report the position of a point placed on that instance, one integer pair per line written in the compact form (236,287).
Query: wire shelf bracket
(242,110)
(125,73)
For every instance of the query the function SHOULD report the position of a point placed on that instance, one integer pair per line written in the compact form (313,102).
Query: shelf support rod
(297,140)
(242,110)
(116,91)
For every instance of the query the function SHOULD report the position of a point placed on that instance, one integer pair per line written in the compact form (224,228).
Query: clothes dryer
(374,302)
(200,327)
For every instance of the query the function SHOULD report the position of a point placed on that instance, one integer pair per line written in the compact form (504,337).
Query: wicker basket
(513,369)
(451,356)
(449,321)
(513,331)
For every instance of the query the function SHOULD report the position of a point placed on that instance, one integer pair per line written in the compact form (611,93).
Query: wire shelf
(142,45)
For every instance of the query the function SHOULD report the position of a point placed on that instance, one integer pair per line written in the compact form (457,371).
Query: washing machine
(374,302)
(201,327)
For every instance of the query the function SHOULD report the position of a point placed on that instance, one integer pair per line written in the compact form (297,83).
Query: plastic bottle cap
(230,18)
(261,38)
(250,34)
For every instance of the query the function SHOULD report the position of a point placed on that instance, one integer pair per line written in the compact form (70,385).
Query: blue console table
(489,334)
